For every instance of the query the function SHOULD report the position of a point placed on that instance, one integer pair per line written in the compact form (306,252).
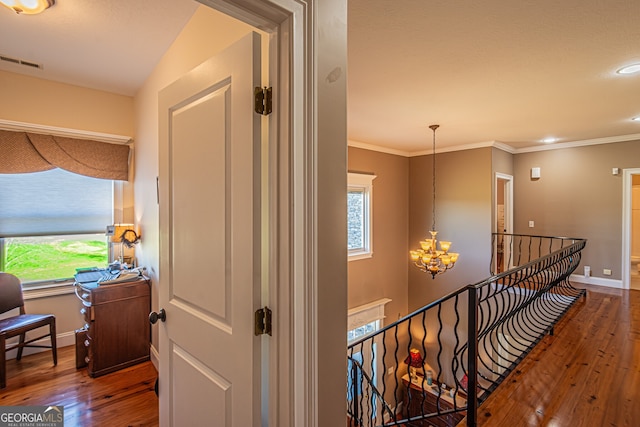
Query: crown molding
(583,143)
(499,145)
(65,132)
(371,147)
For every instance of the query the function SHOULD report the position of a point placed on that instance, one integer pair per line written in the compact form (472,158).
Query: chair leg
(3,367)
(54,347)
(19,355)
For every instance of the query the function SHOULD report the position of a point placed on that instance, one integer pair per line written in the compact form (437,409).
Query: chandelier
(428,258)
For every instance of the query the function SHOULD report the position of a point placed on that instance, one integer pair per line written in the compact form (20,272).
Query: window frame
(62,286)
(122,193)
(363,182)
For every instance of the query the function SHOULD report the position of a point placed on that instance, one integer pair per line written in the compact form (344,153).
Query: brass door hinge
(263,100)
(263,321)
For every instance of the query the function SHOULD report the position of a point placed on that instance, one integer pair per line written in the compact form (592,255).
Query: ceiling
(488,72)
(107,45)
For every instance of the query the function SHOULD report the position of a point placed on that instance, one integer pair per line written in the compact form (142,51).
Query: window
(53,222)
(359,215)
(362,321)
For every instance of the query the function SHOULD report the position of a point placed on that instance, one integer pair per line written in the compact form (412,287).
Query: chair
(19,325)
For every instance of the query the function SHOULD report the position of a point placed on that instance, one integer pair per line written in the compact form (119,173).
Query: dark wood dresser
(427,400)
(116,333)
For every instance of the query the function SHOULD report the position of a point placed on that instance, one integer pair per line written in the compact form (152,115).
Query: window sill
(354,256)
(48,290)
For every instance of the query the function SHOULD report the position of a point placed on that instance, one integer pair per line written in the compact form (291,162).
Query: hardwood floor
(586,374)
(122,398)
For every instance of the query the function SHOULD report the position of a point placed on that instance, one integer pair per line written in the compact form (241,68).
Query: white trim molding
(599,281)
(63,339)
(496,144)
(47,290)
(627,218)
(363,183)
(366,313)
(65,132)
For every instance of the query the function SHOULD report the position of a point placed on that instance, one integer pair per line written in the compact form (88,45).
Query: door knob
(153,316)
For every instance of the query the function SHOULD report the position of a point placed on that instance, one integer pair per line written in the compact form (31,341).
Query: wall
(385,274)
(42,102)
(576,196)
(464,216)
(188,51)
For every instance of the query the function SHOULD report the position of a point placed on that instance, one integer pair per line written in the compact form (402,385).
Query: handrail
(474,337)
(357,367)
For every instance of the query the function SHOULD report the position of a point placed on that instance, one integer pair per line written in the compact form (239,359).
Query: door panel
(210,242)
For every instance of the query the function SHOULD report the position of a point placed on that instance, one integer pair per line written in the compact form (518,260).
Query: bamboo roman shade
(23,152)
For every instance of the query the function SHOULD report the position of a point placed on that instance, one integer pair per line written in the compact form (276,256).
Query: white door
(209,189)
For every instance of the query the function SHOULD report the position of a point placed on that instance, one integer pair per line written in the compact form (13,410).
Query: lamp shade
(126,234)
(414,359)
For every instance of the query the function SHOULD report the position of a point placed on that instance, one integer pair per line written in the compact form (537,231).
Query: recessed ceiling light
(636,119)
(629,69)
(549,140)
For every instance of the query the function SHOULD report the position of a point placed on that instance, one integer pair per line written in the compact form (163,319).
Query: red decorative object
(414,359)
(464,382)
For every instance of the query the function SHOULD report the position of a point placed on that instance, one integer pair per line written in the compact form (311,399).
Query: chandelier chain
(433,205)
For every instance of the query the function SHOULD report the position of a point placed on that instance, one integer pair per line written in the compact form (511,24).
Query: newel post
(472,391)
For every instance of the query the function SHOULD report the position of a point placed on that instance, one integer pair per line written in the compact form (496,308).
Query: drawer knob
(87,343)
(155,316)
(86,359)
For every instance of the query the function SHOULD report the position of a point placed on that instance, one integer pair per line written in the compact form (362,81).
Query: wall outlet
(587,271)
(390,371)
(606,272)
(531,224)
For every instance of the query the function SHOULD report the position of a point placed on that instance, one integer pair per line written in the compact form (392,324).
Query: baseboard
(397,410)
(599,281)
(155,357)
(62,340)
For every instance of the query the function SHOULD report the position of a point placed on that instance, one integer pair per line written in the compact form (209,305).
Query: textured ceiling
(108,45)
(491,70)
(514,72)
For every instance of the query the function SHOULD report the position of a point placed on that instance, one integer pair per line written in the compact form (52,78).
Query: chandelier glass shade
(428,257)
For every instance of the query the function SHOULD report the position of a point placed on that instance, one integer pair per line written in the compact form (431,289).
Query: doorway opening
(503,218)
(631,229)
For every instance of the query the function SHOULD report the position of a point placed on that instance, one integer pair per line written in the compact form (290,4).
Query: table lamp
(414,360)
(124,234)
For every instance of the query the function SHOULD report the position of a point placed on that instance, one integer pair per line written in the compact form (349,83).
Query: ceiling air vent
(16,61)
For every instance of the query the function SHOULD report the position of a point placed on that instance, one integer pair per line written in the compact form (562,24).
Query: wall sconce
(28,7)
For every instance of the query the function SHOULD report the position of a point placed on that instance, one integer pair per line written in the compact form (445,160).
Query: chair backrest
(10,292)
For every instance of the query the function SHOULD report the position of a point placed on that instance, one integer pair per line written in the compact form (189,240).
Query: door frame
(627,194)
(508,209)
(307,146)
